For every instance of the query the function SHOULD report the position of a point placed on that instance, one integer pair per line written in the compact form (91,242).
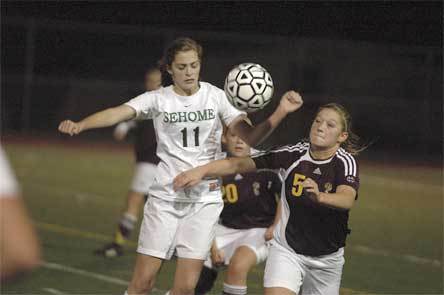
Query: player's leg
(284,272)
(251,249)
(144,275)
(127,223)
(156,239)
(324,274)
(186,276)
(240,264)
(142,179)
(206,280)
(193,241)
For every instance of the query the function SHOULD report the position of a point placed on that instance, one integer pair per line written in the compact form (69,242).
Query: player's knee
(206,281)
(141,285)
(238,268)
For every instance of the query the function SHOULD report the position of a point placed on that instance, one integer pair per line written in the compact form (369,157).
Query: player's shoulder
(210,88)
(347,161)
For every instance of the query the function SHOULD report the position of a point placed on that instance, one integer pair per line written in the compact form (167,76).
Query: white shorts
(181,228)
(307,274)
(229,239)
(143,177)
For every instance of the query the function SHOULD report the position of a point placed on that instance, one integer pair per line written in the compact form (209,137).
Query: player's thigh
(278,291)
(197,231)
(325,278)
(187,274)
(283,270)
(159,227)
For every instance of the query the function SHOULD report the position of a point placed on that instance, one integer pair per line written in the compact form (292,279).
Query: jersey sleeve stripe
(346,165)
(352,161)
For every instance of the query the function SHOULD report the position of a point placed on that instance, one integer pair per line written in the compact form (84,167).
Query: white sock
(167,293)
(126,292)
(235,290)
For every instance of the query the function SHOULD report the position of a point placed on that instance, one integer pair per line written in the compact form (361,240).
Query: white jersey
(8,183)
(188,131)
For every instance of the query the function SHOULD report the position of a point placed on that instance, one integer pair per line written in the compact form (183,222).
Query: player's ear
(342,137)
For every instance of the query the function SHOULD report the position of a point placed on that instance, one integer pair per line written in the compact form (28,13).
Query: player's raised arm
(290,102)
(213,169)
(100,119)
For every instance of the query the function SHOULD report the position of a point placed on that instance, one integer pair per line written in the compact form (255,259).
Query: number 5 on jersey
(297,185)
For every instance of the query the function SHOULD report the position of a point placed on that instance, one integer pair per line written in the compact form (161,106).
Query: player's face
(235,146)
(184,71)
(326,130)
(153,80)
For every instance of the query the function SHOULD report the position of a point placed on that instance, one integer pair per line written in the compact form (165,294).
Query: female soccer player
(321,184)
(146,161)
(246,222)
(187,119)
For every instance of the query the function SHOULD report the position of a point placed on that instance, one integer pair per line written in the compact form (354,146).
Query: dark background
(382,60)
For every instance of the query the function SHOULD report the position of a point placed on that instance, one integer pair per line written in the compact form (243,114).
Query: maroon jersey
(250,199)
(307,227)
(145,142)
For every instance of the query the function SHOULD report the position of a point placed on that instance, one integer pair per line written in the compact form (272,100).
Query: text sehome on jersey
(307,227)
(188,133)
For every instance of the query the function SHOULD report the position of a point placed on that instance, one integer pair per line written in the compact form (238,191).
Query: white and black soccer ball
(249,87)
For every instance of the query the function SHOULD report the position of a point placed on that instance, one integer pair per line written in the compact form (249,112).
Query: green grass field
(75,196)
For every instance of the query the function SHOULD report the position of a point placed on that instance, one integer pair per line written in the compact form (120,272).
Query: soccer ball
(249,87)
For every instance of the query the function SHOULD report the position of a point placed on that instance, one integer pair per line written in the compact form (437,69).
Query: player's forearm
(260,132)
(107,117)
(337,200)
(228,166)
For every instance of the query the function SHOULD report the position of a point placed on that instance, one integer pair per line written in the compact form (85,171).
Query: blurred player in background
(321,186)
(245,224)
(188,117)
(19,246)
(146,161)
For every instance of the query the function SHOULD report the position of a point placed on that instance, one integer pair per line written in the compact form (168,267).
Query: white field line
(54,291)
(71,193)
(358,248)
(406,257)
(89,274)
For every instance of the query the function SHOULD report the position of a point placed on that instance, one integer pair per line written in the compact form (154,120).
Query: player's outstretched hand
(291,101)
(70,127)
(188,178)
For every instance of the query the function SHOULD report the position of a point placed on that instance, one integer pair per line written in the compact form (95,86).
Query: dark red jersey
(307,227)
(250,199)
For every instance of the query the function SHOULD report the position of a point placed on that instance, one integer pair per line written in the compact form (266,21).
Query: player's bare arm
(343,198)
(213,169)
(100,119)
(290,102)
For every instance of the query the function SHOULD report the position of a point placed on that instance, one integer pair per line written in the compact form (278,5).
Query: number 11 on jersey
(185,136)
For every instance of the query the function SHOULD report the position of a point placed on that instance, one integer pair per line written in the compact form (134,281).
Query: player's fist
(291,101)
(70,127)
